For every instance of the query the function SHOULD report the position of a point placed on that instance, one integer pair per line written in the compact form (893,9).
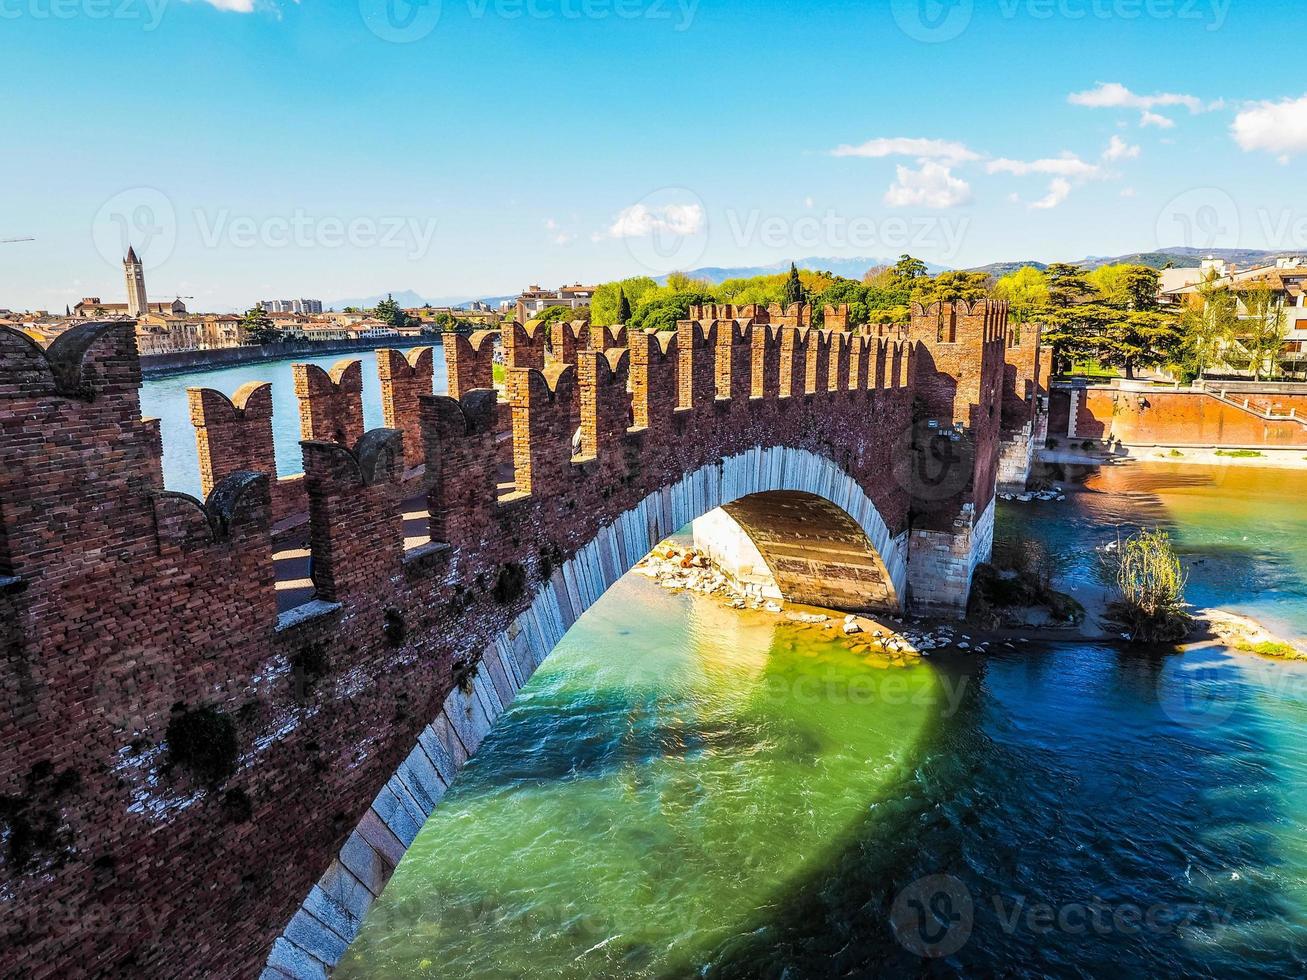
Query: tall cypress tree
(623,307)
(793,288)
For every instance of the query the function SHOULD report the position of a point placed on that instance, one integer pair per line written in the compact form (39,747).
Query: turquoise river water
(686,790)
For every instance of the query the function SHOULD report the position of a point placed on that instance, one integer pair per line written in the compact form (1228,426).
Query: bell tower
(137,303)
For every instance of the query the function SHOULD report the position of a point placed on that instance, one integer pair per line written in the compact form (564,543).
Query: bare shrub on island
(1151,608)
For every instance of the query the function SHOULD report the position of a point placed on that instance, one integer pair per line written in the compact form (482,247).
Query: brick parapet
(234,433)
(524,344)
(129,601)
(331,402)
(405,378)
(470,361)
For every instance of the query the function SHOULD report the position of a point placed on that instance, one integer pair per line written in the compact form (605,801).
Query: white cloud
(1067,165)
(933,186)
(1058,189)
(1119,149)
(1127,192)
(945,151)
(1276,127)
(1147,118)
(234,6)
(1114,95)
(640,221)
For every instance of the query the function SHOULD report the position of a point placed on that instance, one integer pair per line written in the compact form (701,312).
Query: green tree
(623,307)
(1207,323)
(1260,335)
(605,303)
(907,269)
(951,287)
(793,288)
(844,291)
(388,311)
(664,312)
(1126,286)
(1026,292)
(1067,285)
(258,326)
(564,314)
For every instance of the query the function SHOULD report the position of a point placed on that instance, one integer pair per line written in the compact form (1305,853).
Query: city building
(138,303)
(1287,280)
(162,333)
(310,306)
(535,300)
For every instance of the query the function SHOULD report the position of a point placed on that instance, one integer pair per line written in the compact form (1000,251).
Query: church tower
(137,304)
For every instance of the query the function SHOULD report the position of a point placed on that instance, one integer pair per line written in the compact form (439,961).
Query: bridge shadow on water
(1060,781)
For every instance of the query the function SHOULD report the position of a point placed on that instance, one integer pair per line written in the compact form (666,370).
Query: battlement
(121,601)
(776,315)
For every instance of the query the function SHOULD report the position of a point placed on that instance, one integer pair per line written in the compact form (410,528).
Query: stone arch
(328,921)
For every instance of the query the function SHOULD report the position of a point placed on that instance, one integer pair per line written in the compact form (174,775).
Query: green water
(752,748)
(685,790)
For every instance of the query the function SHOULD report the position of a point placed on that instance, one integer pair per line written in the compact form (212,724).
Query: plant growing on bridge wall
(308,665)
(34,832)
(1151,581)
(203,741)
(510,583)
(395,628)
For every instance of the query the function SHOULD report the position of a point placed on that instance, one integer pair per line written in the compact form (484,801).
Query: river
(683,789)
(165,398)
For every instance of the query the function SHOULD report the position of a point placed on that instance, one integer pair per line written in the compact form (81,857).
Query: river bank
(889,640)
(185,362)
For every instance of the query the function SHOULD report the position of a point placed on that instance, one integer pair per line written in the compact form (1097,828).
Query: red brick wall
(131,601)
(1169,418)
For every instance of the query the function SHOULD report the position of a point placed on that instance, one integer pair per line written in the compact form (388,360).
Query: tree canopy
(258,326)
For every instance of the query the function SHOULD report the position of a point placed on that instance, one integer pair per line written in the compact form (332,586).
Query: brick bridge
(450,551)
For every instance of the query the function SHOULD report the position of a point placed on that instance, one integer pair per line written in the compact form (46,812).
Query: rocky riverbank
(889,639)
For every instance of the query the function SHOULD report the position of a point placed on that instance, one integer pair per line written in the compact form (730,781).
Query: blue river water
(165,398)
(688,790)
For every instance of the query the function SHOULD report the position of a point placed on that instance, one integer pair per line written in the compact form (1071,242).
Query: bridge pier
(941,563)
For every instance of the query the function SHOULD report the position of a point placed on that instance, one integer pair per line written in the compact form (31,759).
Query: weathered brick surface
(331,403)
(119,601)
(405,378)
(470,361)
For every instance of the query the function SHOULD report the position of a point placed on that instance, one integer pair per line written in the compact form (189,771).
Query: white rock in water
(852,628)
(964,645)
(772,607)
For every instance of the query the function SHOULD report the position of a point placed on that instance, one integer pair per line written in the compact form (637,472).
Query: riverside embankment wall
(180,362)
(1178,417)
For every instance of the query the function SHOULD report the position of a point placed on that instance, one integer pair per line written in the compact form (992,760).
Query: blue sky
(259,148)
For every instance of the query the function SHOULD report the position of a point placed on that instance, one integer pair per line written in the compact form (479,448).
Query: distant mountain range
(1180,257)
(855,268)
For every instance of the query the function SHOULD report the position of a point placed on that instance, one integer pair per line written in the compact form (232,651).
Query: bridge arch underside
(808,495)
(817,554)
